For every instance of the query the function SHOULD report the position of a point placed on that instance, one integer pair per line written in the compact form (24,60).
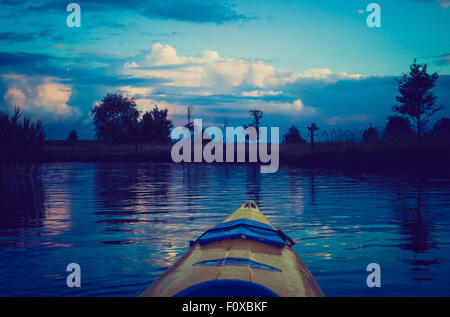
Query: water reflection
(312,187)
(416,225)
(137,220)
(22,206)
(57,214)
(252,178)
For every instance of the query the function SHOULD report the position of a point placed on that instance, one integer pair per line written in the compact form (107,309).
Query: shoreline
(378,156)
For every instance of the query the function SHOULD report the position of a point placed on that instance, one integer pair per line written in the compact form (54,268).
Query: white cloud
(135,91)
(299,107)
(317,73)
(15,96)
(147,104)
(295,108)
(326,75)
(209,70)
(41,98)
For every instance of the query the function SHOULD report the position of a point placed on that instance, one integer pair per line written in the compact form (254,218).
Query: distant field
(97,151)
(407,156)
(403,156)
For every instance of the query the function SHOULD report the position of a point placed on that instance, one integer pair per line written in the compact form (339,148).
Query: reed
(21,143)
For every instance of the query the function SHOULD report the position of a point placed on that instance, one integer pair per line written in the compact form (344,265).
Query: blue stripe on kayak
(238,262)
(243,222)
(227,288)
(243,228)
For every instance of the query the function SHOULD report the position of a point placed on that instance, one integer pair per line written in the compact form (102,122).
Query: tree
(370,134)
(398,127)
(416,99)
(312,129)
(116,118)
(190,123)
(155,127)
(441,128)
(256,115)
(73,136)
(293,136)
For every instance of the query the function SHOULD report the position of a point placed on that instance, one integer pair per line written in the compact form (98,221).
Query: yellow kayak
(245,255)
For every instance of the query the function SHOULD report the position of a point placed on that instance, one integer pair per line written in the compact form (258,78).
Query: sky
(298,61)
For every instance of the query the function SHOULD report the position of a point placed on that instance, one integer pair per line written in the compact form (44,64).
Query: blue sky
(298,61)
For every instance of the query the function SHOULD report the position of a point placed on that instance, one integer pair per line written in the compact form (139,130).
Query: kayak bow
(245,255)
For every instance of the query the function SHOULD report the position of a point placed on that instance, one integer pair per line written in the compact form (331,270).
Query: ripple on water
(125,224)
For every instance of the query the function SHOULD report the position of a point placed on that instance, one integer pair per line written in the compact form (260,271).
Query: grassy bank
(96,151)
(408,156)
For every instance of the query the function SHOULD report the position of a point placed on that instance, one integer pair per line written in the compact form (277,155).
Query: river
(125,224)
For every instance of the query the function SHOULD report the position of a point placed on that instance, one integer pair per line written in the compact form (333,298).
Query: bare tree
(190,123)
(312,129)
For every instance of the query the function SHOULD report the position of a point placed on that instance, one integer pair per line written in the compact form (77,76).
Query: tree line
(117,120)
(416,104)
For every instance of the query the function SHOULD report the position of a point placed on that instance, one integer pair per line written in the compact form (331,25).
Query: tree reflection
(312,175)
(121,190)
(21,203)
(416,223)
(252,176)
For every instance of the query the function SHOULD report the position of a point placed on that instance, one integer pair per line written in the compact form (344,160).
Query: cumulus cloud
(40,98)
(135,91)
(299,107)
(14,96)
(147,104)
(211,70)
(215,83)
(296,108)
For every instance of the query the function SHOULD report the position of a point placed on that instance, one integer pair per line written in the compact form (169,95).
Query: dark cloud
(23,59)
(14,37)
(444,59)
(74,70)
(196,11)
(193,11)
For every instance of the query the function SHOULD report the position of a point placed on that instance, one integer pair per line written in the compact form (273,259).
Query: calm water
(125,224)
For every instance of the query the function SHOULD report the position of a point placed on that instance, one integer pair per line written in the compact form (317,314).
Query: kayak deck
(237,264)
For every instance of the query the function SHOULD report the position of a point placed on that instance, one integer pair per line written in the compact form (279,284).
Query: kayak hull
(252,266)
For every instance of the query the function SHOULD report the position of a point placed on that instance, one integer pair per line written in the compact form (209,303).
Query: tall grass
(21,143)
